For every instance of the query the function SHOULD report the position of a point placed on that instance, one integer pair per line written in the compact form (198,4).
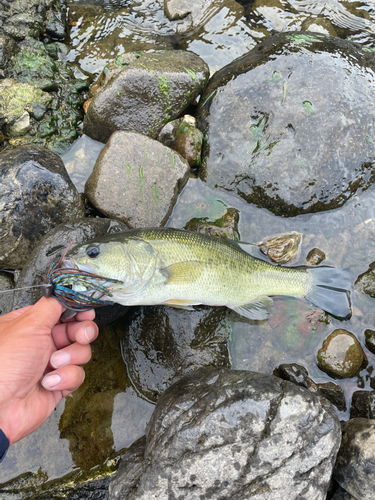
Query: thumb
(45,313)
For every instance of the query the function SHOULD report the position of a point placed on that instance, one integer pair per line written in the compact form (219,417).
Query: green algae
(285,88)
(308,107)
(304,39)
(276,76)
(164,89)
(156,196)
(191,73)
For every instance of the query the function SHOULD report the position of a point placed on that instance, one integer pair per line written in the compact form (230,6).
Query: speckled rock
(225,227)
(50,249)
(6,299)
(341,494)
(341,354)
(315,257)
(282,248)
(136,180)
(8,48)
(363,404)
(264,115)
(146,94)
(36,194)
(221,433)
(162,344)
(355,465)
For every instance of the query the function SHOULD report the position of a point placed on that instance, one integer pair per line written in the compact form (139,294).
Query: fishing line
(45,285)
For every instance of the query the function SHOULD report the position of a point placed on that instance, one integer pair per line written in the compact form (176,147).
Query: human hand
(40,363)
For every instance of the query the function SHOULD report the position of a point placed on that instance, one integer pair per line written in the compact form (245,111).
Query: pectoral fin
(258,309)
(182,272)
(180,304)
(252,250)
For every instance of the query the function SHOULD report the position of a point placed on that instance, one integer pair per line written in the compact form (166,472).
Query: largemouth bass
(183,268)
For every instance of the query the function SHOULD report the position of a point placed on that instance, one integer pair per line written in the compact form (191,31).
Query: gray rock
(146,94)
(136,180)
(6,284)
(167,134)
(355,465)
(363,404)
(162,344)
(36,194)
(221,433)
(297,374)
(24,24)
(334,393)
(56,24)
(50,249)
(341,494)
(264,114)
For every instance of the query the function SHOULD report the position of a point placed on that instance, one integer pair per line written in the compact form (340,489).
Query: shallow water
(106,413)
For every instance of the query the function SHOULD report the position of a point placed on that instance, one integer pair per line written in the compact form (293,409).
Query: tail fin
(331,290)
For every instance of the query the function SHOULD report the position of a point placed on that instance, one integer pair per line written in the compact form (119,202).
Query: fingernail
(90,333)
(59,359)
(51,381)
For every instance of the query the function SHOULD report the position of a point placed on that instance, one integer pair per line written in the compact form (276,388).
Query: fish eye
(93,252)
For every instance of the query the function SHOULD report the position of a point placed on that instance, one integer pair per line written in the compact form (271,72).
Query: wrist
(4,445)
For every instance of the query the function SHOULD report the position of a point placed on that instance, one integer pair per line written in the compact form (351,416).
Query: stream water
(106,414)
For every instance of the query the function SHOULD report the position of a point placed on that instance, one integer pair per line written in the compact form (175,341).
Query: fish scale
(183,268)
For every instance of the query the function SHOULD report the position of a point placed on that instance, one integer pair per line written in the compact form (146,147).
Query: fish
(183,269)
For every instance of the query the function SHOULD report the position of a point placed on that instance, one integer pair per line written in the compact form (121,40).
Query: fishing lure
(62,283)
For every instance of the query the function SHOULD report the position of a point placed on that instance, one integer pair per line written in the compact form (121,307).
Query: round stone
(341,355)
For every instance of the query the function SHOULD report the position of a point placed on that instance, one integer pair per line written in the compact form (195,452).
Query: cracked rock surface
(220,433)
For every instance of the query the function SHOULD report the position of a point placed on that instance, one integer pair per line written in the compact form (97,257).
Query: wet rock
(334,393)
(24,24)
(297,374)
(220,433)
(131,465)
(162,344)
(282,248)
(370,340)
(6,299)
(36,194)
(167,134)
(50,249)
(366,282)
(315,257)
(53,115)
(192,12)
(341,355)
(363,404)
(355,465)
(8,48)
(146,94)
(264,114)
(56,24)
(189,141)
(225,227)
(319,25)
(341,494)
(136,180)
(17,103)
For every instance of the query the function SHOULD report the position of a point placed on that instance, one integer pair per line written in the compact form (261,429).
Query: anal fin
(180,304)
(258,309)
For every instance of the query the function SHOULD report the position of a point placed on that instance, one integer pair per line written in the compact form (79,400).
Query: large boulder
(355,466)
(220,433)
(36,194)
(146,94)
(136,180)
(285,127)
(162,344)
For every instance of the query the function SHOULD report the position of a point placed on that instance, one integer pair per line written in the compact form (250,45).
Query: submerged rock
(355,465)
(366,282)
(162,344)
(315,257)
(341,355)
(225,227)
(146,94)
(50,249)
(363,404)
(36,194)
(220,433)
(282,248)
(275,119)
(136,180)
(192,13)
(370,340)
